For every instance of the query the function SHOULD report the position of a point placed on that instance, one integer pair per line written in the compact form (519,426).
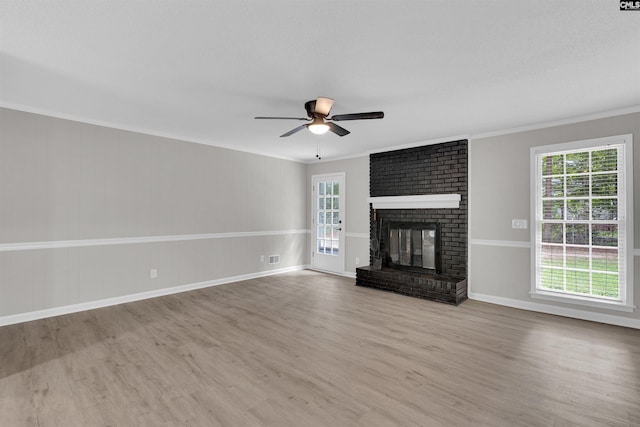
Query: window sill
(577,300)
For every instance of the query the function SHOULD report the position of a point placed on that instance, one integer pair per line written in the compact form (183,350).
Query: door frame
(314,235)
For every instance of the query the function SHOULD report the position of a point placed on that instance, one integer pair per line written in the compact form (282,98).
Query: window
(582,197)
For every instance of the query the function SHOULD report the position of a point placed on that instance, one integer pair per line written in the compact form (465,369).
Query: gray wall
(63,181)
(499,191)
(67,181)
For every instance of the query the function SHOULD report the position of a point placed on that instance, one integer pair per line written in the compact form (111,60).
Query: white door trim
(339,266)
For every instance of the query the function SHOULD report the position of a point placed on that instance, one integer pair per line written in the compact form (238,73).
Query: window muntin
(580,226)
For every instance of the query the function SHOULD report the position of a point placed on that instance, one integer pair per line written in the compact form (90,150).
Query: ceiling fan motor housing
(310,106)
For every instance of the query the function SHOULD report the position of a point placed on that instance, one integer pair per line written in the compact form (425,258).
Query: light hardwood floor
(309,349)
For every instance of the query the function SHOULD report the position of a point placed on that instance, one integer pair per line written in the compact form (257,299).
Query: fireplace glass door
(413,246)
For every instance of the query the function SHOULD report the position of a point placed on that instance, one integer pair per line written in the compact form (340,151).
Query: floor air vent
(274,259)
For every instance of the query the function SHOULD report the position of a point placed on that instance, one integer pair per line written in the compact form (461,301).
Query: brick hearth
(435,287)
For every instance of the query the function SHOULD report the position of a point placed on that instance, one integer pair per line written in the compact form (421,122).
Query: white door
(327,241)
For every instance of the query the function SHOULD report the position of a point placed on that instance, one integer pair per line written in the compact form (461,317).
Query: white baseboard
(90,305)
(559,311)
(351,275)
(524,305)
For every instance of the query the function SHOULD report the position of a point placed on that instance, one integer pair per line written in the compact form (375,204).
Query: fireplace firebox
(412,263)
(414,245)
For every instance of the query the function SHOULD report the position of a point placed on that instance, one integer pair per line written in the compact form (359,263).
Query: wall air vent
(274,259)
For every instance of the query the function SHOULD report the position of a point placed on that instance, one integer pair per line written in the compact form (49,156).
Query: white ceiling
(200,71)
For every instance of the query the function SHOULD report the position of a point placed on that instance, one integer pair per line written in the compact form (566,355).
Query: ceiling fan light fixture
(319,127)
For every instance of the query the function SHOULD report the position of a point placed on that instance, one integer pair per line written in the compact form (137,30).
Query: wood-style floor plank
(310,349)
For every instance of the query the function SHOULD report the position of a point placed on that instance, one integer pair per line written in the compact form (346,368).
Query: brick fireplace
(433,170)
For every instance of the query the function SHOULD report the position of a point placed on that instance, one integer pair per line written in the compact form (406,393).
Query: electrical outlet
(261,258)
(153,273)
(357,261)
(520,224)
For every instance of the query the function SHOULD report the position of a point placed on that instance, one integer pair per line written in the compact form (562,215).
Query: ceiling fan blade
(292,131)
(323,105)
(358,116)
(338,130)
(282,118)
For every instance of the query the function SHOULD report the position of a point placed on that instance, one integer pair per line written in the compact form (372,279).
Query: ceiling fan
(317,112)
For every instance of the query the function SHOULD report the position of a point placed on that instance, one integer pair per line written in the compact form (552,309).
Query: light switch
(520,224)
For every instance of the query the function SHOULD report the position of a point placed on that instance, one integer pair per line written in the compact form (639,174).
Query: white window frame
(625,224)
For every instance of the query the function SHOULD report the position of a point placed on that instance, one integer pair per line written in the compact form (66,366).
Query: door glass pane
(328,217)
